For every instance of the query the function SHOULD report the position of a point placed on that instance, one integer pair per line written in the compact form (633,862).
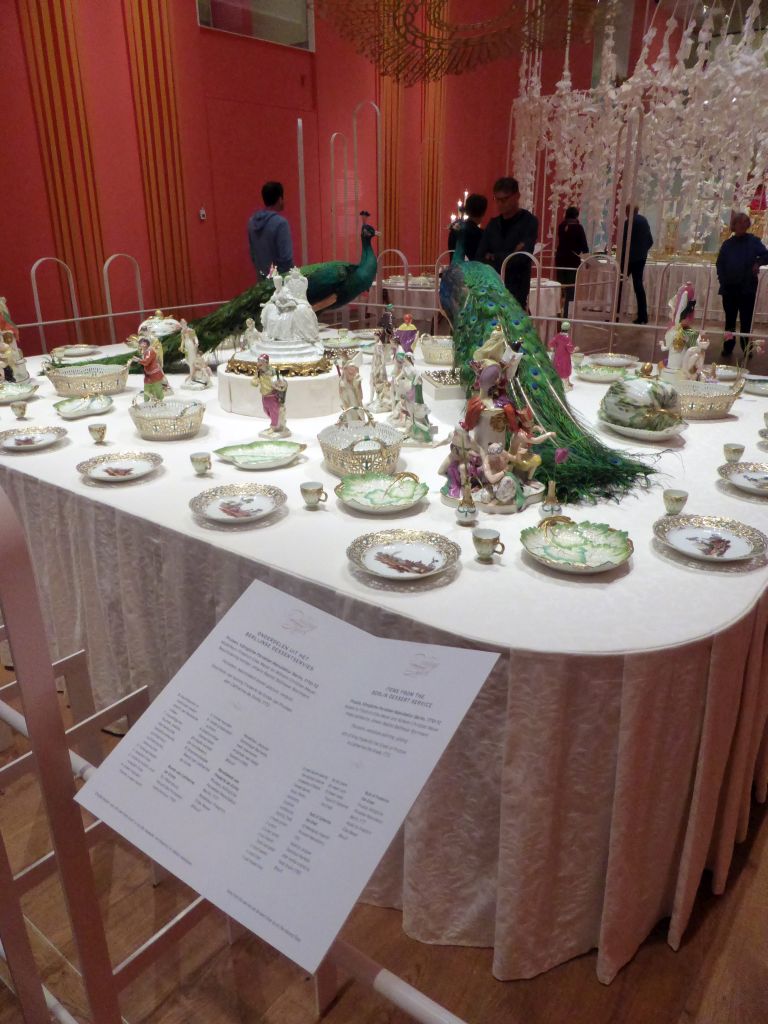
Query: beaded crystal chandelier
(422,40)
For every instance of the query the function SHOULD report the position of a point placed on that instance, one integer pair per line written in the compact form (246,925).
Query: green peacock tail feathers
(591,470)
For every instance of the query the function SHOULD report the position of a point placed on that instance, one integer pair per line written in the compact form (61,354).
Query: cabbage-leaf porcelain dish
(261,454)
(379,494)
(75,351)
(12,392)
(613,359)
(76,408)
(600,374)
(577,548)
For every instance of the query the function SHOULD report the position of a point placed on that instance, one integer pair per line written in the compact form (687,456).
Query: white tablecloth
(608,759)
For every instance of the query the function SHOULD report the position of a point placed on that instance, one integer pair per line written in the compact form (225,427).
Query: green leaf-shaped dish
(579,548)
(261,454)
(379,494)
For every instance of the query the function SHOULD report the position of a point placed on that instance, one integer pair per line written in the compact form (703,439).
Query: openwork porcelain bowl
(437,349)
(707,400)
(353,447)
(81,381)
(172,419)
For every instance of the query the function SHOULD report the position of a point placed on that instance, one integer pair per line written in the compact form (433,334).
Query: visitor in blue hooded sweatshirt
(269,234)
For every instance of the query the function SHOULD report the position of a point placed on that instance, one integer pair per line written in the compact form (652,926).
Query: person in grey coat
(269,234)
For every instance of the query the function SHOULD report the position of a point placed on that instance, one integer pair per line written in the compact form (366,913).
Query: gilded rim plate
(711,538)
(10,391)
(76,408)
(747,476)
(403,554)
(30,439)
(645,435)
(119,468)
(580,549)
(615,360)
(238,503)
(261,454)
(379,494)
(754,384)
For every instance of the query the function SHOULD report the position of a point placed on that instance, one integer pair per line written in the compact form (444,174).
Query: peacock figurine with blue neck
(330,285)
(475,299)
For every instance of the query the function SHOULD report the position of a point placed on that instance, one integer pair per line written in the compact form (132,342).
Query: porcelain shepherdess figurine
(200,374)
(561,346)
(684,346)
(272,388)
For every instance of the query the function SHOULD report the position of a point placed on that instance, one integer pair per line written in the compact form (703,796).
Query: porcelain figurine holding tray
(272,388)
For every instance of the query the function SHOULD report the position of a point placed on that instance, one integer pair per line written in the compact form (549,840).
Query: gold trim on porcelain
(449,549)
(58,431)
(755,537)
(84,468)
(199,503)
(249,368)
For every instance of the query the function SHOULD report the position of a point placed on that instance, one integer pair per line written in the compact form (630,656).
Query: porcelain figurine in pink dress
(563,347)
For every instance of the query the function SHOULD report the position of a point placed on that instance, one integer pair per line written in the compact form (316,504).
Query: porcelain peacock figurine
(330,285)
(474,299)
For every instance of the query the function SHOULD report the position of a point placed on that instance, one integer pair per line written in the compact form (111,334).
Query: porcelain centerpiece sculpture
(290,333)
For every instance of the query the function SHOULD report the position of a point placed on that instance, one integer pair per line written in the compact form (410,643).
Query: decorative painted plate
(76,408)
(75,351)
(120,468)
(261,454)
(600,374)
(577,548)
(238,503)
(403,554)
(754,384)
(379,494)
(645,435)
(614,359)
(747,476)
(711,538)
(30,439)
(12,392)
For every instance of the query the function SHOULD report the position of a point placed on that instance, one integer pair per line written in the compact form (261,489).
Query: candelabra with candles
(460,211)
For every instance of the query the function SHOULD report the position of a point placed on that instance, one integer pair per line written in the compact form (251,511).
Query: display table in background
(609,758)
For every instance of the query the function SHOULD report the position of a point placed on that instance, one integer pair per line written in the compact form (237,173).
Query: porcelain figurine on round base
(156,385)
(12,364)
(350,390)
(406,333)
(200,374)
(561,346)
(381,385)
(684,346)
(272,388)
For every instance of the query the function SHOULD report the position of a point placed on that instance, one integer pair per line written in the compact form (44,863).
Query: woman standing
(571,242)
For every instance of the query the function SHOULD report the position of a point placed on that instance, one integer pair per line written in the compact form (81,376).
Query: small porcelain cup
(577,358)
(19,409)
(674,501)
(487,543)
(313,493)
(733,452)
(201,462)
(343,333)
(98,432)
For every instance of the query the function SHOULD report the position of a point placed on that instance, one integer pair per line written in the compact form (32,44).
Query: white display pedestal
(306,396)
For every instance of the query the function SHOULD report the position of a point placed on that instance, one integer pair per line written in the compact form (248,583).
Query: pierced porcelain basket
(81,381)
(437,349)
(351,447)
(172,419)
(707,400)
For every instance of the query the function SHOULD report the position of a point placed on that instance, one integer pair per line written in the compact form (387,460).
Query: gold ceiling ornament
(422,40)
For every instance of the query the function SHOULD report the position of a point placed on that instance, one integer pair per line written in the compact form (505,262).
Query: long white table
(611,754)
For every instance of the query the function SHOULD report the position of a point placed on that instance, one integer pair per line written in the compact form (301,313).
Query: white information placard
(275,768)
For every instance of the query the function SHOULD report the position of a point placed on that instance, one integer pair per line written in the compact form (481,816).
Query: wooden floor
(720,976)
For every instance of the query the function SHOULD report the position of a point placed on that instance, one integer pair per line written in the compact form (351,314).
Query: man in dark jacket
(269,234)
(640,243)
(514,230)
(737,265)
(474,211)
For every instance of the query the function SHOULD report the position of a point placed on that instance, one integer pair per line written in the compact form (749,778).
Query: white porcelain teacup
(98,432)
(733,452)
(312,492)
(19,409)
(201,462)
(487,543)
(674,501)
(578,357)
